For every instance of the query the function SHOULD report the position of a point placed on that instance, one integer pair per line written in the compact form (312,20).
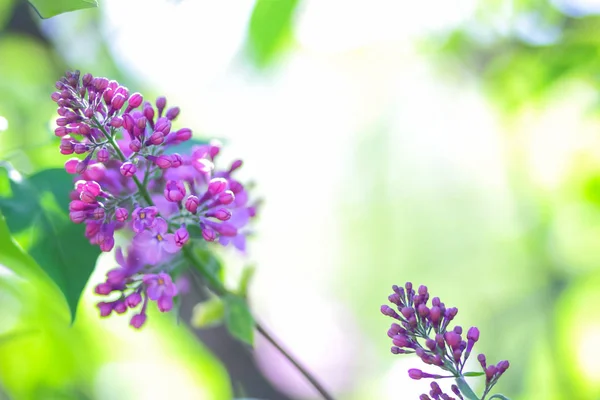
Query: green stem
(294,362)
(213,283)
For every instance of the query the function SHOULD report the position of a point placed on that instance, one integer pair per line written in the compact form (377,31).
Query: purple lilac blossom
(424,330)
(127,177)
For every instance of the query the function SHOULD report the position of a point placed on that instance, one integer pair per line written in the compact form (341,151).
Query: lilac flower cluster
(424,330)
(129,175)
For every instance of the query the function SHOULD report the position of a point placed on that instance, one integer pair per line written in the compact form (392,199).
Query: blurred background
(454,144)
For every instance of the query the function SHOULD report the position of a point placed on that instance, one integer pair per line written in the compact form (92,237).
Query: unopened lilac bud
(452,339)
(80,148)
(235,165)
(135,145)
(191,204)
(473,334)
(387,310)
(163,161)
(423,310)
(407,312)
(86,79)
(490,372)
(120,307)
(128,169)
(181,236)
(176,160)
(88,112)
(502,366)
(100,83)
(108,95)
(174,191)
(457,353)
(435,314)
(103,288)
(217,185)
(117,101)
(71,165)
(148,112)
(103,155)
(222,214)
(105,308)
(138,320)
(163,125)
(394,330)
(78,216)
(128,122)
(451,313)
(183,134)
(81,166)
(121,214)
(61,131)
(208,234)
(62,121)
(415,373)
(458,330)
(156,138)
(135,100)
(141,123)
(123,91)
(161,103)
(99,213)
(172,113)
(430,343)
(226,197)
(133,300)
(481,359)
(116,122)
(66,146)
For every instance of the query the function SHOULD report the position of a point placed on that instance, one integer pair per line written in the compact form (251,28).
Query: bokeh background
(450,143)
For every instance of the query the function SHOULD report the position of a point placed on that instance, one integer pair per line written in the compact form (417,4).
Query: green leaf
(466,390)
(211,264)
(238,319)
(270,29)
(499,396)
(247,274)
(473,373)
(208,313)
(36,216)
(185,147)
(50,8)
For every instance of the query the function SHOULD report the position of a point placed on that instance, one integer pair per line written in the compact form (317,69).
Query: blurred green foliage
(50,8)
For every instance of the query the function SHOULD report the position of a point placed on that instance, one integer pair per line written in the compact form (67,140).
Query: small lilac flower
(143,218)
(161,289)
(156,241)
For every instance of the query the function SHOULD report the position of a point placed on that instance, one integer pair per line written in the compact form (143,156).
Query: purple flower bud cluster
(134,287)
(129,176)
(436,393)
(424,329)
